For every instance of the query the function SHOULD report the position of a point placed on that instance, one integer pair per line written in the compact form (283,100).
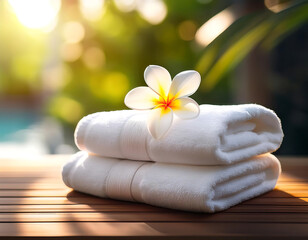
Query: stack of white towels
(206,164)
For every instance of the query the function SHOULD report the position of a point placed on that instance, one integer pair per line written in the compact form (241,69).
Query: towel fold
(183,187)
(220,135)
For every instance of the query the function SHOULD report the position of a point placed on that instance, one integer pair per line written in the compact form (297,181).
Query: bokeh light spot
(67,109)
(92,10)
(126,5)
(153,11)
(55,78)
(115,85)
(73,32)
(214,27)
(93,58)
(277,5)
(187,30)
(71,52)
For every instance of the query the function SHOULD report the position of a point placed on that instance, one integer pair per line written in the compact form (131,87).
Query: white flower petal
(141,98)
(159,121)
(158,78)
(185,84)
(186,108)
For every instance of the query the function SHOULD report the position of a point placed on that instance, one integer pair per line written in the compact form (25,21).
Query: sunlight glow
(214,27)
(37,14)
(91,10)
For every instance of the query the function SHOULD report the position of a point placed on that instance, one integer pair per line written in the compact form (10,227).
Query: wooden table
(35,203)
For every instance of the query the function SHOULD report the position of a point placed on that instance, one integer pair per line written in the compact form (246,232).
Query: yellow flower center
(166,103)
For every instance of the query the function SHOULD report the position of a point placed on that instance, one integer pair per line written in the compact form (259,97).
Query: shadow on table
(260,216)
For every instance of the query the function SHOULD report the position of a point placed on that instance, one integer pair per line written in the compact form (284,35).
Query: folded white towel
(184,187)
(220,135)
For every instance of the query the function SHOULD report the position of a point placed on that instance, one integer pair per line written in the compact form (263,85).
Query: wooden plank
(82,208)
(158,230)
(143,208)
(278,201)
(93,200)
(57,185)
(268,209)
(60,185)
(59,200)
(32,175)
(297,174)
(31,180)
(286,193)
(20,190)
(35,193)
(64,192)
(35,202)
(33,186)
(155,217)
(303,187)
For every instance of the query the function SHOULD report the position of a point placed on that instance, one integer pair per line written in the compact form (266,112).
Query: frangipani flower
(165,98)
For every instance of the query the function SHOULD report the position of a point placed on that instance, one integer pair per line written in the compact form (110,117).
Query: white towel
(220,135)
(183,187)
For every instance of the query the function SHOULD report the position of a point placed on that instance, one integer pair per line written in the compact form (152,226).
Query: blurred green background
(61,60)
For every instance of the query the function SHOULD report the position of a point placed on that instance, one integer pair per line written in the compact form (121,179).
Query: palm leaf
(233,45)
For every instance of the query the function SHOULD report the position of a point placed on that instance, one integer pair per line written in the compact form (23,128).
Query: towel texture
(183,187)
(220,135)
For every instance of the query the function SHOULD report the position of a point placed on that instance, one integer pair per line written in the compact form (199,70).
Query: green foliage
(123,45)
(233,45)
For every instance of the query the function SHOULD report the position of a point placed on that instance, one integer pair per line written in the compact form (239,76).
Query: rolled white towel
(220,135)
(183,187)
